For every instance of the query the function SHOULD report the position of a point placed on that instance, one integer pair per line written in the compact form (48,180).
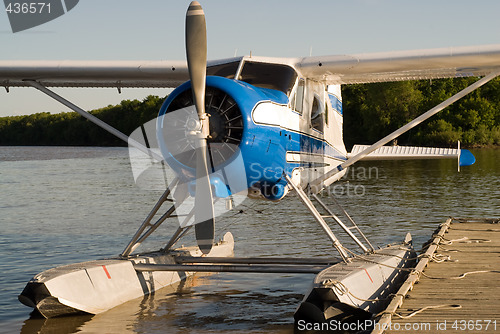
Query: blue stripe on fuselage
(302,143)
(308,145)
(335,103)
(268,145)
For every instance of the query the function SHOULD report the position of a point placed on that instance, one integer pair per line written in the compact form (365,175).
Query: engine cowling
(239,152)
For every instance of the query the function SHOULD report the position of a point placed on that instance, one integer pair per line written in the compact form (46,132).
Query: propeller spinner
(196,51)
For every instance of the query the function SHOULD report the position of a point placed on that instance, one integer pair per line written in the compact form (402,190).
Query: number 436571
(474,325)
(28,8)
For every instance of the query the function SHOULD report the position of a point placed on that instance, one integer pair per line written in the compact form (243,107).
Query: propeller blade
(196,51)
(204,207)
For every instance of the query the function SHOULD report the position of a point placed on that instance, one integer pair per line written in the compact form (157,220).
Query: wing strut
(319,218)
(317,183)
(139,237)
(95,120)
(344,227)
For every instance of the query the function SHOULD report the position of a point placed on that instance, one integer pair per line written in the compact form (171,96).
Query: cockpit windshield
(265,75)
(227,70)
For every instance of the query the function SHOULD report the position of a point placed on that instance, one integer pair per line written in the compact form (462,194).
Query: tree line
(371,111)
(71,129)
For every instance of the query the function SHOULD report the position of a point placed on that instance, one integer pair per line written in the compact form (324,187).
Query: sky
(154,30)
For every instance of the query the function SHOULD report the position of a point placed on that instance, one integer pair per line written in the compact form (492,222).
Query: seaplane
(258,126)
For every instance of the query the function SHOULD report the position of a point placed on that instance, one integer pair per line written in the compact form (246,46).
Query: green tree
(70,128)
(374,110)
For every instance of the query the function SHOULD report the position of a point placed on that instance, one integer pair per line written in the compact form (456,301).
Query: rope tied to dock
(379,263)
(436,242)
(464,274)
(431,307)
(439,258)
(341,289)
(467,240)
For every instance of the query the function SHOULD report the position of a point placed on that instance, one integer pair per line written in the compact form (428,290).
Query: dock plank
(473,247)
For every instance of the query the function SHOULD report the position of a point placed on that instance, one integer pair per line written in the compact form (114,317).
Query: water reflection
(195,305)
(61,211)
(124,318)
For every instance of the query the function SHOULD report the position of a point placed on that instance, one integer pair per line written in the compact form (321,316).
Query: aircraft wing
(402,65)
(98,73)
(464,157)
(339,69)
(161,74)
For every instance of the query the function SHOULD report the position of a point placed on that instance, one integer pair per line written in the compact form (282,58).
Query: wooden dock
(459,290)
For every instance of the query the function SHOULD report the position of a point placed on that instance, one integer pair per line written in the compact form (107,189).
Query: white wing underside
(339,69)
(406,153)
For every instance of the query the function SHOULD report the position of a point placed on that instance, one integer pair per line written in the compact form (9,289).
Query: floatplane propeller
(196,52)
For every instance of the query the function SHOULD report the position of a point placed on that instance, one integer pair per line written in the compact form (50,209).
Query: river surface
(61,205)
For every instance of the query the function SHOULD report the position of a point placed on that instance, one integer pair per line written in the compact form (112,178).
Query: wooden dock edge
(385,319)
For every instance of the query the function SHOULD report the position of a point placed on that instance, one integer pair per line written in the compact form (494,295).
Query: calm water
(65,205)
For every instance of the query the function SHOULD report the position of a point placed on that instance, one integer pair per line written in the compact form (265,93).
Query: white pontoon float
(349,285)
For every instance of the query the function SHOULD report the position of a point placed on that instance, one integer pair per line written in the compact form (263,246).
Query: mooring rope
(450,306)
(441,240)
(439,258)
(460,240)
(463,275)
(379,263)
(341,289)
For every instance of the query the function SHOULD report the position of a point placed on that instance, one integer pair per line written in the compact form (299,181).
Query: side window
(318,114)
(298,99)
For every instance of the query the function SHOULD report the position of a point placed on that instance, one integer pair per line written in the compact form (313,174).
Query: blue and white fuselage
(265,120)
